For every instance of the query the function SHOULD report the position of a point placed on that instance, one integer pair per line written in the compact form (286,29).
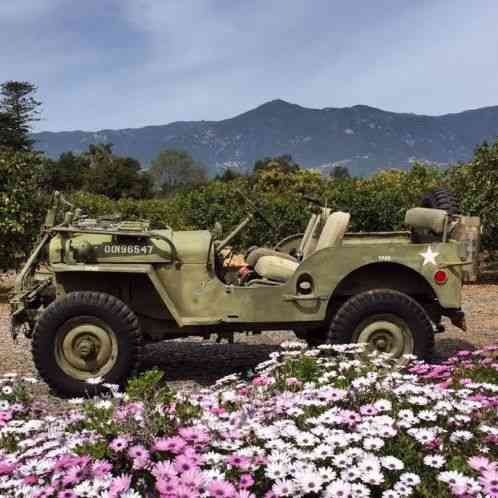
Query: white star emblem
(429,256)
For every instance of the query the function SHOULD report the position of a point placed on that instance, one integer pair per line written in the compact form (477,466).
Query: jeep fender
(135,268)
(393,275)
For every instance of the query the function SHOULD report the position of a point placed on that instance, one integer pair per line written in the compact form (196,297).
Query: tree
(123,177)
(228,175)
(98,171)
(22,205)
(114,176)
(67,174)
(6,130)
(283,163)
(99,154)
(18,109)
(176,169)
(339,173)
(476,185)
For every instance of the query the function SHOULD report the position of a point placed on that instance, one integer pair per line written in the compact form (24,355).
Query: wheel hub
(86,348)
(386,335)
(381,344)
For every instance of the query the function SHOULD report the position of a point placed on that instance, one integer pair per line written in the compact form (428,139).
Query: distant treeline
(375,203)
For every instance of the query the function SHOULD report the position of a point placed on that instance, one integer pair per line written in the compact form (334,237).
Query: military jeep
(94,291)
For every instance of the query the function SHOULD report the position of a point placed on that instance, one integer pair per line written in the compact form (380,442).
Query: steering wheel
(255,209)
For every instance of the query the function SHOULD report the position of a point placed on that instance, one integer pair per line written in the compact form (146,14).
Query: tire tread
(358,307)
(441,198)
(70,305)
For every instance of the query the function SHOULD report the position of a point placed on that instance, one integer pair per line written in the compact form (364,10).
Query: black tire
(441,199)
(383,305)
(80,309)
(432,347)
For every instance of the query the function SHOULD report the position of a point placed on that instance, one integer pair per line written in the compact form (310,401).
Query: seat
(334,230)
(259,252)
(309,237)
(306,247)
(274,267)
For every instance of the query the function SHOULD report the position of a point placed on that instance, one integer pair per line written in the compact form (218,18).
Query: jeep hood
(79,247)
(191,246)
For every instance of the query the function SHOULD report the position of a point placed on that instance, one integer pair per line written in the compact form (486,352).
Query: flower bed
(334,422)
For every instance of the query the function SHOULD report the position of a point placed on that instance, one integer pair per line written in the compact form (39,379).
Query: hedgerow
(376,203)
(476,186)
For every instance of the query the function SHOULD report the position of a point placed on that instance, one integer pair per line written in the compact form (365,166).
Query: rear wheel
(388,321)
(86,336)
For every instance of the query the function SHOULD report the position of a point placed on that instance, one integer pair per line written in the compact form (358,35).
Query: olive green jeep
(94,291)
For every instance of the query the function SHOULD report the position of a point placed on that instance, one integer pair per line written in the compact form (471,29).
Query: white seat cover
(314,231)
(281,269)
(258,253)
(276,268)
(334,230)
(304,247)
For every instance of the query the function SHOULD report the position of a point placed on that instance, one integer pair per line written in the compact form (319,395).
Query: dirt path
(191,363)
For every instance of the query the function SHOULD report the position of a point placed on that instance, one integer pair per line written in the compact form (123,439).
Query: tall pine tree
(18,110)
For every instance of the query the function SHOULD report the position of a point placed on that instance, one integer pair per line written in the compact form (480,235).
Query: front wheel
(83,338)
(388,321)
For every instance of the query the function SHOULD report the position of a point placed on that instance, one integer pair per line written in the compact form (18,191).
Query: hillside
(363,138)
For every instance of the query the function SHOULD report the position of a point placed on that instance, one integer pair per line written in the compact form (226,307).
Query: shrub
(376,203)
(476,186)
(22,205)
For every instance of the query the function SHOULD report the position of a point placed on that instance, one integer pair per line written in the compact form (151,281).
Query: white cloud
(23,11)
(434,59)
(123,63)
(188,34)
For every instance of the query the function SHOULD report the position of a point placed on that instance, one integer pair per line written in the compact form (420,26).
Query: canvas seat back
(334,230)
(306,247)
(280,269)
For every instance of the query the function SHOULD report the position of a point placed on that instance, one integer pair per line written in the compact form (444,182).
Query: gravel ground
(191,363)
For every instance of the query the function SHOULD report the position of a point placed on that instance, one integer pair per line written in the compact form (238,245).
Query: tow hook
(457,318)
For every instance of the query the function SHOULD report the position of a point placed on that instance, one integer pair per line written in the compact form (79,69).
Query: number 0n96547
(128,250)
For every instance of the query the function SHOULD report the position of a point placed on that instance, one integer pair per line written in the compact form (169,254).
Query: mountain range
(361,137)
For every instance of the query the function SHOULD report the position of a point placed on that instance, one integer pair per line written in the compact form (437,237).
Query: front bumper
(26,307)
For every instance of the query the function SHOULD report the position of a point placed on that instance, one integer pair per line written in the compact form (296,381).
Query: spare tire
(441,198)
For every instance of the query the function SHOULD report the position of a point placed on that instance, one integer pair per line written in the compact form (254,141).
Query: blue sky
(129,63)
